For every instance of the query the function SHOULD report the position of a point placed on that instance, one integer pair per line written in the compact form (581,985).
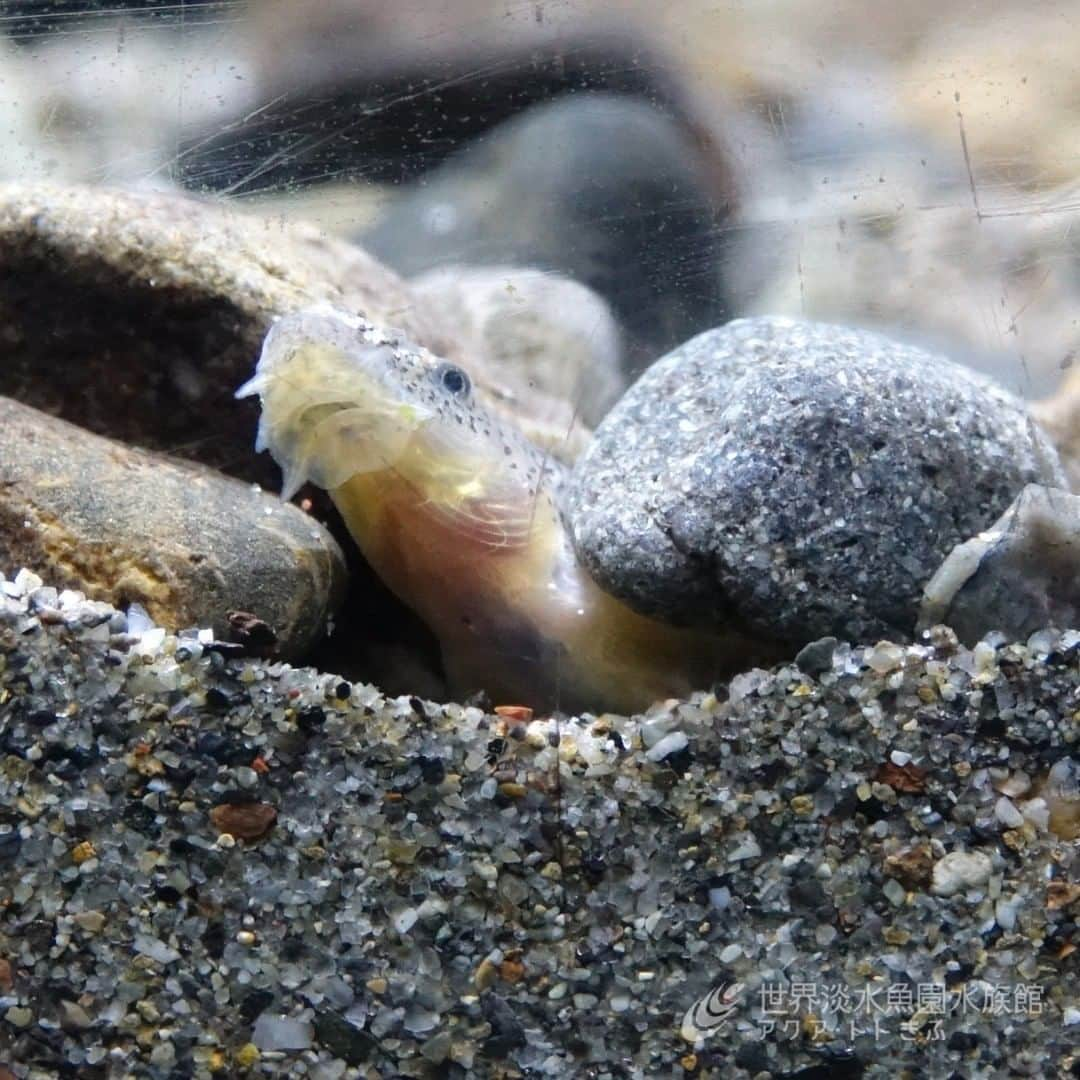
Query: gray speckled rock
(801,478)
(1017,577)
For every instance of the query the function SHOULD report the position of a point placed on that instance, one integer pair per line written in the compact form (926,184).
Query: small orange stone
(245,821)
(521,713)
(1060,894)
(83,852)
(907,779)
(141,749)
(260,765)
(912,866)
(6,981)
(512,971)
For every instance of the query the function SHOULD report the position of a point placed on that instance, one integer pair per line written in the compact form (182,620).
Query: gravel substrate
(211,864)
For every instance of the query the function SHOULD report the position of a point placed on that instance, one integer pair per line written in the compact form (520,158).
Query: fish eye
(453,380)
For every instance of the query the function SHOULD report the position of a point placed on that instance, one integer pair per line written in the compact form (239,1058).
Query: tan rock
(186,542)
(546,330)
(138,315)
(1060,417)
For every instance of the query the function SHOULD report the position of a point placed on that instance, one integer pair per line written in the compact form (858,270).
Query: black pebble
(10,842)
(254,1003)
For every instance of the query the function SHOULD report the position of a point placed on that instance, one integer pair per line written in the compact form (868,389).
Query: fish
(459,514)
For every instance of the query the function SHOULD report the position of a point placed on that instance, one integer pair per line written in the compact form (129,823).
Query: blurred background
(910,167)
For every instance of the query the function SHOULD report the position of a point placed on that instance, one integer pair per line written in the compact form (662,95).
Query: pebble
(894,892)
(184,543)
(671,743)
(960,870)
(247,1055)
(817,656)
(884,657)
(154,948)
(1018,576)
(553,334)
(90,921)
(281,1033)
(744,479)
(19,1017)
(1015,784)
(245,821)
(74,1016)
(1006,812)
(1060,791)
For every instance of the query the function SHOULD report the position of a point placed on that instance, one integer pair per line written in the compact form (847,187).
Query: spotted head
(341,399)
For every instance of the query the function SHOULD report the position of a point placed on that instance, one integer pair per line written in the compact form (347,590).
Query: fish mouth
(327,413)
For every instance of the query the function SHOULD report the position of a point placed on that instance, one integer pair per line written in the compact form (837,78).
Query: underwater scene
(539,538)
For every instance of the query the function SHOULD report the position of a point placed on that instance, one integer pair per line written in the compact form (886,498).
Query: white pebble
(281,1033)
(1005,811)
(138,619)
(155,948)
(26,582)
(985,656)
(1005,913)
(884,657)
(825,935)
(960,870)
(894,892)
(748,848)
(720,897)
(405,920)
(671,743)
(1038,813)
(151,641)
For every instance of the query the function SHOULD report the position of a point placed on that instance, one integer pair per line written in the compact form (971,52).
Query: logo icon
(709,1014)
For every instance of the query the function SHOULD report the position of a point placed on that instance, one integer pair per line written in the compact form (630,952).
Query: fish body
(458,513)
